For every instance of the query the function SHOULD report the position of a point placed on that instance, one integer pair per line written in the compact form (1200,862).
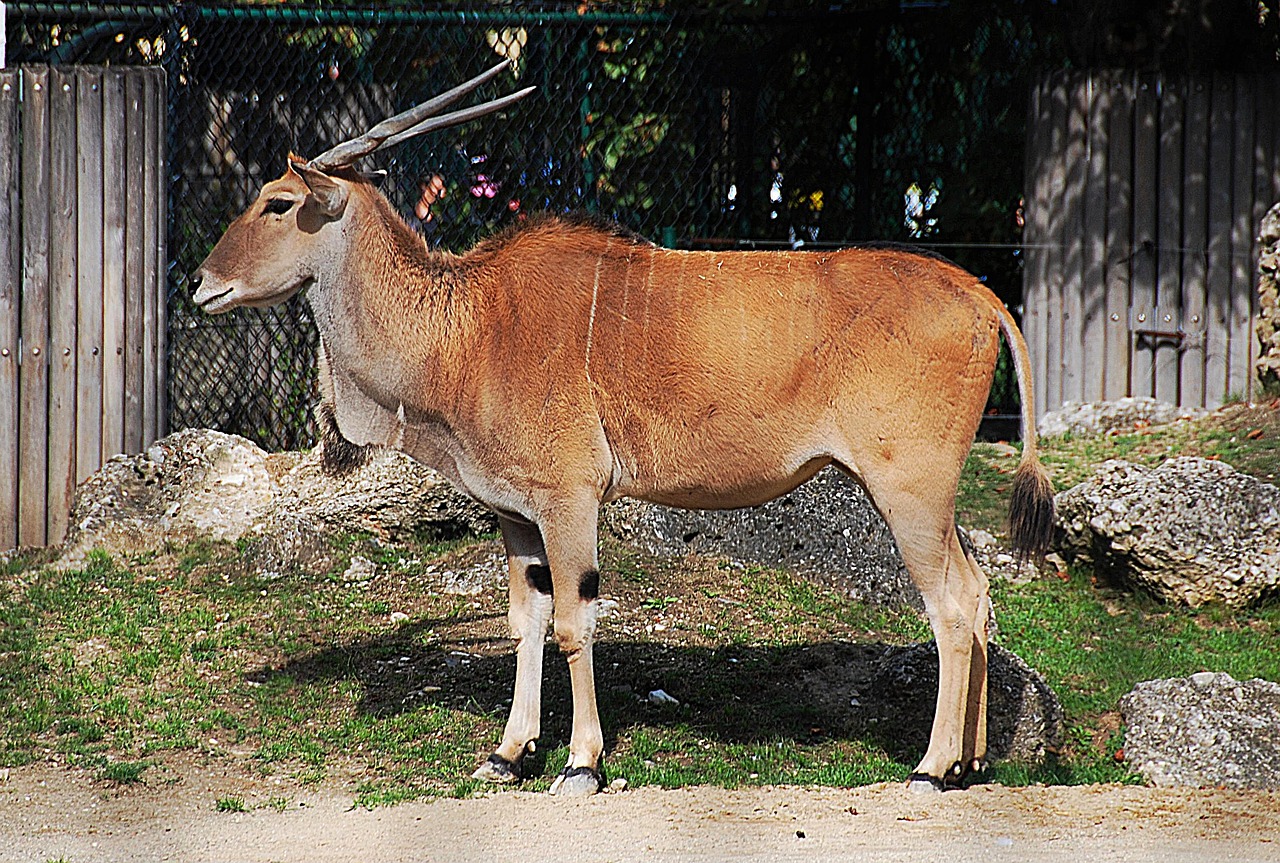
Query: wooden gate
(82,283)
(1145,192)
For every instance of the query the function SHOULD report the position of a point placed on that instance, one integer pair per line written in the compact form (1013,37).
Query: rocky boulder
(1122,415)
(187,486)
(201,484)
(1268,322)
(1193,530)
(1205,730)
(390,496)
(999,562)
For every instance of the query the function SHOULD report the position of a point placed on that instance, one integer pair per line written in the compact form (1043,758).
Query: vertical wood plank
(1218,278)
(1073,227)
(151,262)
(1195,263)
(1120,248)
(1093,239)
(1240,352)
(135,315)
(1058,203)
(62,302)
(89,231)
(1168,297)
(33,376)
(10,286)
(161,210)
(113,263)
(1034,294)
(1142,294)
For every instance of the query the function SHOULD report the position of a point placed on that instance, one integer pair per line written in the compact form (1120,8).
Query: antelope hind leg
(952,600)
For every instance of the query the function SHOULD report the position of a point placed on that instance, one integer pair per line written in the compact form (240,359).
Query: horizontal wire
(1013,247)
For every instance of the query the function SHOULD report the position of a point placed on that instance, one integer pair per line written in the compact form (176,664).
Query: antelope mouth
(216,299)
(213,299)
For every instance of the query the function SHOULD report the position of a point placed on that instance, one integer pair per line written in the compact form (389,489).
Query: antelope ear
(329,193)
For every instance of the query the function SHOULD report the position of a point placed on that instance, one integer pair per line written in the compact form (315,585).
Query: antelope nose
(196,278)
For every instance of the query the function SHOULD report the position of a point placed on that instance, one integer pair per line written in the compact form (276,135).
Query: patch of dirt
(51,813)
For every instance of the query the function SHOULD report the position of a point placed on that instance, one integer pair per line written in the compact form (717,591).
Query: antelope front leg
(575,577)
(530,611)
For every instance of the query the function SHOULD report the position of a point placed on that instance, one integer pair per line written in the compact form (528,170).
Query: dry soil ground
(52,814)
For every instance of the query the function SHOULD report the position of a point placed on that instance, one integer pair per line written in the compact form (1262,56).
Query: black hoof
(499,769)
(923,782)
(577,782)
(959,776)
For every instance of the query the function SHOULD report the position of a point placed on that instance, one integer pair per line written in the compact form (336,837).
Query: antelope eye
(278,206)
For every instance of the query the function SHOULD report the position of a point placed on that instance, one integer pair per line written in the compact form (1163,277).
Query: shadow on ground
(879,693)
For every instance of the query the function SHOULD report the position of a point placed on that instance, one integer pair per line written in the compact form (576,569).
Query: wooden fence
(1144,195)
(82,283)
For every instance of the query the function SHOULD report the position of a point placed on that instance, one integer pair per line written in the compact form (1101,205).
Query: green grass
(123,772)
(118,664)
(186,679)
(681,756)
(1095,645)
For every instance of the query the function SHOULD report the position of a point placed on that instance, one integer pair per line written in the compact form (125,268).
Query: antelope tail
(1031,499)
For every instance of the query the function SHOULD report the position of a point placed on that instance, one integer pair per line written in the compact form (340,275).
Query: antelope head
(290,234)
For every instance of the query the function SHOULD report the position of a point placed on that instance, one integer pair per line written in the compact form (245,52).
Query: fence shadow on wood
(1144,196)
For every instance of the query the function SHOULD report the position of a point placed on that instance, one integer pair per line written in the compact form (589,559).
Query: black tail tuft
(1031,511)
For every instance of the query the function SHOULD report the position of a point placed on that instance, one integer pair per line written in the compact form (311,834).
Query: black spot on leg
(589,586)
(539,578)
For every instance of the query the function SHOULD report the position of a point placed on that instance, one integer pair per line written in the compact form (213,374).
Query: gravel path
(51,813)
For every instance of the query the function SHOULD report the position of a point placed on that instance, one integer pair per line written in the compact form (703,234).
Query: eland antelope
(566,363)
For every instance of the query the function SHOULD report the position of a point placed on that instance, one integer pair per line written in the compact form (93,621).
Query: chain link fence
(699,130)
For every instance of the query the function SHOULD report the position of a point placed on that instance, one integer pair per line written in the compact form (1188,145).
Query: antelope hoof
(577,782)
(498,769)
(923,783)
